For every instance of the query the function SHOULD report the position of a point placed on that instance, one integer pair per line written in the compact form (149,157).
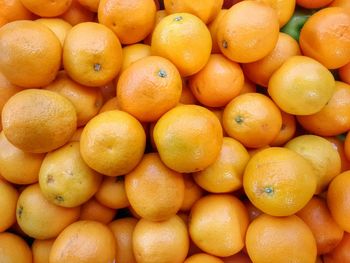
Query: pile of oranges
(174,131)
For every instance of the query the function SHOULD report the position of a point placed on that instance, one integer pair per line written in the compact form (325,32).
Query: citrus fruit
(272,239)
(154,191)
(188,138)
(183,39)
(65,179)
(30,128)
(279,181)
(151,242)
(92,54)
(30,53)
(113,143)
(298,93)
(248,31)
(148,88)
(218,223)
(84,241)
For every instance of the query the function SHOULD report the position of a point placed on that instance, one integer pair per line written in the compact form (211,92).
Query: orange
(226,173)
(130,20)
(312,4)
(8,201)
(260,71)
(30,128)
(77,13)
(218,224)
(148,88)
(160,14)
(14,249)
(325,230)
(338,199)
(213,27)
(297,93)
(344,73)
(134,52)
(123,230)
(155,192)
(287,130)
(84,241)
(192,193)
(280,239)
(341,254)
(10,158)
(339,146)
(323,157)
(41,250)
(188,138)
(326,37)
(87,101)
(156,242)
(248,31)
(93,210)
(12,10)
(203,258)
(334,117)
(113,143)
(111,104)
(279,181)
(92,54)
(111,192)
(253,119)
(39,218)
(284,9)
(207,10)
(65,179)
(59,26)
(240,257)
(183,39)
(218,82)
(30,53)
(92,5)
(46,8)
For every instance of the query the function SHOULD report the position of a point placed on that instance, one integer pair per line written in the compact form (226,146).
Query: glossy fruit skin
(297,21)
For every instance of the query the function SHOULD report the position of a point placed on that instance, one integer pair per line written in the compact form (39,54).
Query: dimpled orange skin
(30,53)
(92,54)
(248,31)
(30,128)
(12,10)
(183,39)
(326,37)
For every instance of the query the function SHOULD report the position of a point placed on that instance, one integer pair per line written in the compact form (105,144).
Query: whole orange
(248,31)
